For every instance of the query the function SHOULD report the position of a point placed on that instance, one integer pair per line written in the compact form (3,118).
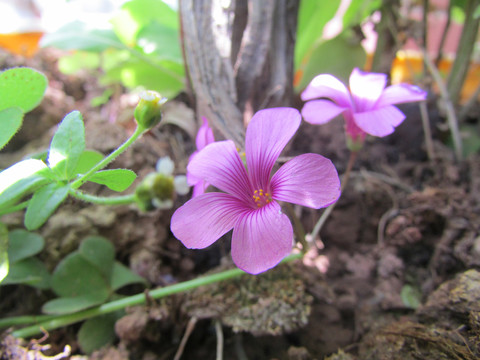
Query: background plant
(140,47)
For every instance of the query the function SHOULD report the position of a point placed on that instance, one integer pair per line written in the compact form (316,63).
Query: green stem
(466,44)
(64,320)
(24,320)
(100,200)
(81,180)
(297,226)
(450,110)
(326,213)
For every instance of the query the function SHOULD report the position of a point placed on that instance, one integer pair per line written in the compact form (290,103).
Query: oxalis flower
(204,137)
(367,107)
(262,234)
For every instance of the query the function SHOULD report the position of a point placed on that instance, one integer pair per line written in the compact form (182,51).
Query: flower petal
(309,180)
(261,239)
(379,122)
(319,112)
(366,88)
(204,135)
(199,188)
(204,219)
(327,86)
(220,165)
(267,134)
(401,93)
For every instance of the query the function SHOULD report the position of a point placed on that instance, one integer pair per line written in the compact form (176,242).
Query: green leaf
(68,305)
(411,296)
(99,252)
(79,36)
(10,121)
(166,79)
(476,13)
(160,41)
(97,332)
(23,244)
(67,146)
(358,10)
(458,8)
(75,276)
(347,56)
(21,179)
(115,179)
(136,14)
(101,99)
(43,203)
(123,276)
(21,87)
(3,252)
(30,271)
(79,60)
(88,159)
(312,17)
(470,139)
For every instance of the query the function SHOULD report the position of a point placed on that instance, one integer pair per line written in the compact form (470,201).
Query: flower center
(261,197)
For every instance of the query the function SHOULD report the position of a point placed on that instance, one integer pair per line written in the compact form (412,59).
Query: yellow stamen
(261,198)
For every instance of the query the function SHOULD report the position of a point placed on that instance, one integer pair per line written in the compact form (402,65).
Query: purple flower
(204,137)
(367,107)
(262,234)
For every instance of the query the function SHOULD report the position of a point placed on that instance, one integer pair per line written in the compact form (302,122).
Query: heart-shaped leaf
(74,276)
(30,271)
(23,244)
(99,252)
(10,121)
(122,276)
(97,332)
(21,87)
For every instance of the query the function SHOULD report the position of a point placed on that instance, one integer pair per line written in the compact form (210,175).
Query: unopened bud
(148,111)
(163,187)
(354,145)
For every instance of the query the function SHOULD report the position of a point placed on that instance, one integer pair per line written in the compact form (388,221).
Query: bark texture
(239,58)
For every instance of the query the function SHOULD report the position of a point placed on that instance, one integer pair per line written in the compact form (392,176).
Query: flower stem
(138,299)
(450,110)
(82,179)
(328,210)
(113,200)
(297,226)
(24,320)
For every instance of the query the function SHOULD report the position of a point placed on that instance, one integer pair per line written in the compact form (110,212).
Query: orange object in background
(24,44)
(20,26)
(408,68)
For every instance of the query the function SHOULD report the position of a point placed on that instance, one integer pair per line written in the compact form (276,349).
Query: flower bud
(143,195)
(354,145)
(148,111)
(163,187)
